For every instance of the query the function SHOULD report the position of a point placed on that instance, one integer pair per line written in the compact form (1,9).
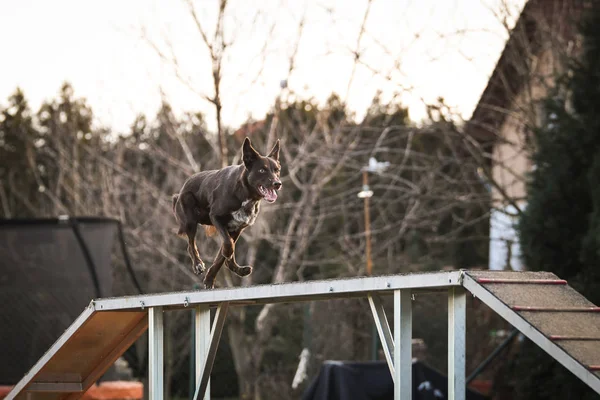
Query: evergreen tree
(67,170)
(18,187)
(560,228)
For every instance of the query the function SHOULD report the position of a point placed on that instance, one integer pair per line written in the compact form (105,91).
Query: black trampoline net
(46,282)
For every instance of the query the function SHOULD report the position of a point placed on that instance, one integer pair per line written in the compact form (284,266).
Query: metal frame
(202,343)
(457,319)
(284,292)
(402,345)
(383,329)
(397,346)
(206,352)
(155,355)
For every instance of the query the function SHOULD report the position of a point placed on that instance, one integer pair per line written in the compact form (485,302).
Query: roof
(529,36)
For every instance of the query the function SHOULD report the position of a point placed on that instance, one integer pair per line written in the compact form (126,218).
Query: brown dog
(227,199)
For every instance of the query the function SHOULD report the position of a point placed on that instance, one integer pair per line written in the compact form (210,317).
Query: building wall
(530,63)
(511,162)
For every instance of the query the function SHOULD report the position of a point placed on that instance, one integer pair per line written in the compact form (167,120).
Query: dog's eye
(262,171)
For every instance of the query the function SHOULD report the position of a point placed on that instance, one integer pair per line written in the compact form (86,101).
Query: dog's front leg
(209,278)
(232,264)
(228,246)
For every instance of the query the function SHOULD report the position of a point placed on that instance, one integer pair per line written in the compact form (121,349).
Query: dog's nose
(277,185)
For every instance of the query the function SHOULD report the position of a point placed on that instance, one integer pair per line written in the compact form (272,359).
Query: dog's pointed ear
(274,154)
(249,155)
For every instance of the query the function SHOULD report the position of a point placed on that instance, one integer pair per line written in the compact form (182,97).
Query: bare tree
(216,48)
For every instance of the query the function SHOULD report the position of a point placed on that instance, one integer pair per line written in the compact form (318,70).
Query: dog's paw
(198,268)
(244,271)
(209,283)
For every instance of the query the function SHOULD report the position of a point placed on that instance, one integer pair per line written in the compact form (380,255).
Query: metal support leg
(457,302)
(383,328)
(402,345)
(155,343)
(205,364)
(202,340)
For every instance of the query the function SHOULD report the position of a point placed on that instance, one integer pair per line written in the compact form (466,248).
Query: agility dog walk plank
(539,304)
(107,327)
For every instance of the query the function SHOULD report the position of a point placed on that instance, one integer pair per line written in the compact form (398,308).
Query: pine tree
(18,187)
(560,228)
(66,125)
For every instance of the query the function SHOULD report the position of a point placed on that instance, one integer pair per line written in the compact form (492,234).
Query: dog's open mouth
(269,195)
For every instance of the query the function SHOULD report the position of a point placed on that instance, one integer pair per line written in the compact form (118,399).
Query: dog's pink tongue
(270,195)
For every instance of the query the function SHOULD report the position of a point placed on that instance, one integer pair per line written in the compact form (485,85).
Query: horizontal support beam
(285,292)
(63,387)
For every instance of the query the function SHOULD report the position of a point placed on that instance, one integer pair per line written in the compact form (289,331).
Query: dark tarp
(372,381)
(46,281)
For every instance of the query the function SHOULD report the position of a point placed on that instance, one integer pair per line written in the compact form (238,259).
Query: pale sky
(429,48)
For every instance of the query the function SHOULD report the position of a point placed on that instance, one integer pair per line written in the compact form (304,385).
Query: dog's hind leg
(197,263)
(185,209)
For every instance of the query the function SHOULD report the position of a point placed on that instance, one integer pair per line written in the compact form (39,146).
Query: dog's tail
(174,199)
(210,230)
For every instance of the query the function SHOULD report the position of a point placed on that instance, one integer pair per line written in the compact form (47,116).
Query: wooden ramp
(539,304)
(549,312)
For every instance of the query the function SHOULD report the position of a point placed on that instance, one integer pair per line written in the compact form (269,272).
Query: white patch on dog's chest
(244,216)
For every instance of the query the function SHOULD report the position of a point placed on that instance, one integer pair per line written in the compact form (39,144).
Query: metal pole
(202,342)
(383,328)
(156,347)
(369,270)
(457,302)
(367,225)
(402,345)
(206,364)
(192,385)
